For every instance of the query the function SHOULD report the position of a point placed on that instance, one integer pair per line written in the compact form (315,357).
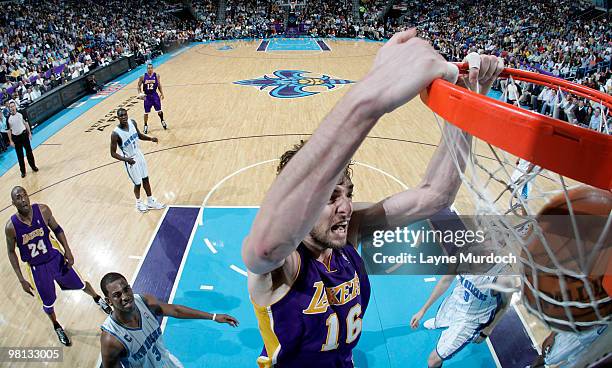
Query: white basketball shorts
(138,170)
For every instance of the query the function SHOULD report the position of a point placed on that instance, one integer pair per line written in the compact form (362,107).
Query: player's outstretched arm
(111,350)
(183,312)
(437,292)
(142,136)
(9,231)
(441,182)
(403,67)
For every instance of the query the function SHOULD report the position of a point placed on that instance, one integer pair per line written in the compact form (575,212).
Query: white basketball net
(496,184)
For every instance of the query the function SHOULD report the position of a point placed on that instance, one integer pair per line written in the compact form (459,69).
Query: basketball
(591,208)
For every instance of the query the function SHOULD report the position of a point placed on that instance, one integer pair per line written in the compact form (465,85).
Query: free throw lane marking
(210,246)
(239,270)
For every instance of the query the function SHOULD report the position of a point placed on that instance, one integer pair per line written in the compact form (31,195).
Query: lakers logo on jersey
(31,235)
(323,296)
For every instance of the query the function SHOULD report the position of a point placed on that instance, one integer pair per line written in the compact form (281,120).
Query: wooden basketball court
(216,129)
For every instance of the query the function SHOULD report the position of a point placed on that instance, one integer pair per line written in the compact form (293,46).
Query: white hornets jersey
(129,139)
(472,299)
(145,346)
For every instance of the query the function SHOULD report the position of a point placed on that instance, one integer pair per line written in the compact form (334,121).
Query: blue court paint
(200,343)
(323,45)
(293,44)
(163,259)
(263,45)
(398,298)
(512,343)
(386,341)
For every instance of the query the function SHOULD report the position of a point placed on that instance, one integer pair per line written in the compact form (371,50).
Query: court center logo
(294,83)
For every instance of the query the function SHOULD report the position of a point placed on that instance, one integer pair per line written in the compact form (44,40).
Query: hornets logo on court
(293,83)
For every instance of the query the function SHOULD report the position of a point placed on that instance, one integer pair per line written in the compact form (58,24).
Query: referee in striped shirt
(20,134)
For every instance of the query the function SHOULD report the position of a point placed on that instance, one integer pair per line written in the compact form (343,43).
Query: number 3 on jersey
(353,328)
(37,248)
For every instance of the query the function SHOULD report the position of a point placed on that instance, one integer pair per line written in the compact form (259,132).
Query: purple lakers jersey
(319,320)
(36,246)
(150,83)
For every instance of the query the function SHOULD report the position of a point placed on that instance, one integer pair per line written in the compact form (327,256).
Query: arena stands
(45,44)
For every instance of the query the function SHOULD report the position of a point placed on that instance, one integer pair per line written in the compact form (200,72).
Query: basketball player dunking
(48,260)
(151,82)
(131,335)
(126,135)
(306,280)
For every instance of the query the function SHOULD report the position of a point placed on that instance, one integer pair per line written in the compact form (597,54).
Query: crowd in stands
(205,12)
(44,44)
(544,36)
(327,18)
(250,19)
(556,103)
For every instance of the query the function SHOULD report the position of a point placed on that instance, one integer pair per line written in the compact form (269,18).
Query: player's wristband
(214,316)
(58,230)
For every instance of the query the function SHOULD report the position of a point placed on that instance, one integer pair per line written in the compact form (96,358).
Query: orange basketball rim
(569,150)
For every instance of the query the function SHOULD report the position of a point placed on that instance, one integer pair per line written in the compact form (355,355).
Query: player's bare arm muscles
(140,82)
(159,87)
(112,351)
(142,136)
(113,147)
(301,191)
(53,225)
(440,184)
(437,292)
(9,231)
(183,312)
(437,190)
(58,231)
